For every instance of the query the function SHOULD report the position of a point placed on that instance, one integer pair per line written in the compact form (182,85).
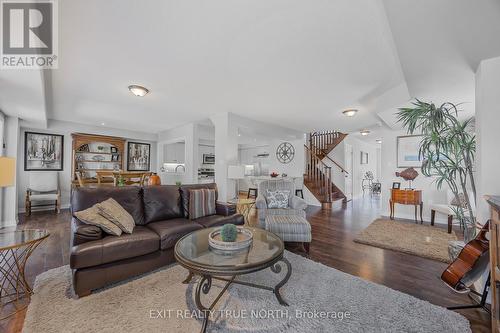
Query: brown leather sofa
(161,217)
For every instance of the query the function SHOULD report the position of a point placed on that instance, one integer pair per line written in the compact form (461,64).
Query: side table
(406,197)
(16,246)
(243,206)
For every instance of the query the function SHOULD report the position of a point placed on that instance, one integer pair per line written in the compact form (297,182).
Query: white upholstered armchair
(43,187)
(296,205)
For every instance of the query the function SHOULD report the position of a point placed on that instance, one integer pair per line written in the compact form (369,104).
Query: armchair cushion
(43,196)
(277,199)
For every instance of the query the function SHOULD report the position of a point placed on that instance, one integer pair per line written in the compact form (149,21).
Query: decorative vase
(154,179)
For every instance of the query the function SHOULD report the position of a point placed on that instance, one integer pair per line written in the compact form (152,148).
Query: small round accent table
(16,247)
(244,207)
(193,253)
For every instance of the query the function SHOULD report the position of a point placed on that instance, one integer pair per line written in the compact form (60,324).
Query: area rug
(420,240)
(321,299)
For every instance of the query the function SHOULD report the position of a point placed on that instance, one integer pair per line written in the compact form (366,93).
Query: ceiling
(294,63)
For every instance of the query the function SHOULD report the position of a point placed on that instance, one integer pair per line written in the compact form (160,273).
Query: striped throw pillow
(201,203)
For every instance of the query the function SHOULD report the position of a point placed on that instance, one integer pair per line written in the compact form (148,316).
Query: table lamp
(7,171)
(236,172)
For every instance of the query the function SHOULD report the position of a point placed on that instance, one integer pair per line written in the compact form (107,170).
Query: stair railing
(323,139)
(318,173)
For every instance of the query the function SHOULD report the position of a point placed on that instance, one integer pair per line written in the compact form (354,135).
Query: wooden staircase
(318,176)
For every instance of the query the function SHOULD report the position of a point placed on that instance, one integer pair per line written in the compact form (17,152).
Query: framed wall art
(138,157)
(43,152)
(408,151)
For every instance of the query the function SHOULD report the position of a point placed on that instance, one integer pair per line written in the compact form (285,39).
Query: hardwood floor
(333,233)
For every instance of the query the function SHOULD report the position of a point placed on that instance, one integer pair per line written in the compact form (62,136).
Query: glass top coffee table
(195,254)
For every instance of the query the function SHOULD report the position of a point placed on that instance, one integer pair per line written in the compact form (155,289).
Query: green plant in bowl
(228,233)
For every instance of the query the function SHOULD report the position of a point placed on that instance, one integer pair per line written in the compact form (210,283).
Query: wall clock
(285,152)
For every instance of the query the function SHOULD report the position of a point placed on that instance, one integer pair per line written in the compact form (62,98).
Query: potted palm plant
(447,148)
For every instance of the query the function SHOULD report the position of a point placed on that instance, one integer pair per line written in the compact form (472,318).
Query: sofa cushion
(201,203)
(184,190)
(171,230)
(129,197)
(112,248)
(219,220)
(162,203)
(82,233)
(91,216)
(114,212)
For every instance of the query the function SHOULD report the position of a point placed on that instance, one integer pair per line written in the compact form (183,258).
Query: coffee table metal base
(205,284)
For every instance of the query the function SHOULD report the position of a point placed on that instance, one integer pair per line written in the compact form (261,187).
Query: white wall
(487,134)
(430,193)
(189,134)
(65,176)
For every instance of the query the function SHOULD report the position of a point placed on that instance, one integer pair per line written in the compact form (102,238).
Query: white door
(348,168)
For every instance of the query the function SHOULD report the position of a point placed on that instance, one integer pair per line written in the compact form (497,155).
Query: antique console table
(193,253)
(406,197)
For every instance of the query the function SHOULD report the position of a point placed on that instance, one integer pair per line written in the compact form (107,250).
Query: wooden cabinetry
(92,153)
(494,202)
(406,197)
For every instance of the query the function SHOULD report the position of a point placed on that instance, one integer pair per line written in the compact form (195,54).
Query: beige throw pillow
(114,212)
(91,216)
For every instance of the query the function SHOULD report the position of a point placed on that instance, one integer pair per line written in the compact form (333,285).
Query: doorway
(348,175)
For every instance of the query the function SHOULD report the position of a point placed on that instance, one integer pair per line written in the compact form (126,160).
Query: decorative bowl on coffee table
(243,240)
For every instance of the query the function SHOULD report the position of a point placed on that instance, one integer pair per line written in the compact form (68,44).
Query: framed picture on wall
(408,151)
(138,157)
(364,157)
(43,152)
(396,185)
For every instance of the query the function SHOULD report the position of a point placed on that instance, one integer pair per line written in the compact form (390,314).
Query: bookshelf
(93,153)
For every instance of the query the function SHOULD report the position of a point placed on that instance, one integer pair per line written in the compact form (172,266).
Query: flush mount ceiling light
(350,112)
(138,90)
(364,132)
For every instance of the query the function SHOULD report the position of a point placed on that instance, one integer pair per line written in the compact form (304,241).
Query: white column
(9,200)
(226,153)
(487,134)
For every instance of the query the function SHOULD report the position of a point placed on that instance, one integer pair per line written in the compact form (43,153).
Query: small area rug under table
(420,240)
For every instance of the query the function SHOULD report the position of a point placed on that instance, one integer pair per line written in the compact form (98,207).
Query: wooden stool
(252,189)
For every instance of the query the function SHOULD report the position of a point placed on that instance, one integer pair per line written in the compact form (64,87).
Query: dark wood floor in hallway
(333,233)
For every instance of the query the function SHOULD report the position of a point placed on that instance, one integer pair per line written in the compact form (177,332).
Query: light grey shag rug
(151,303)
